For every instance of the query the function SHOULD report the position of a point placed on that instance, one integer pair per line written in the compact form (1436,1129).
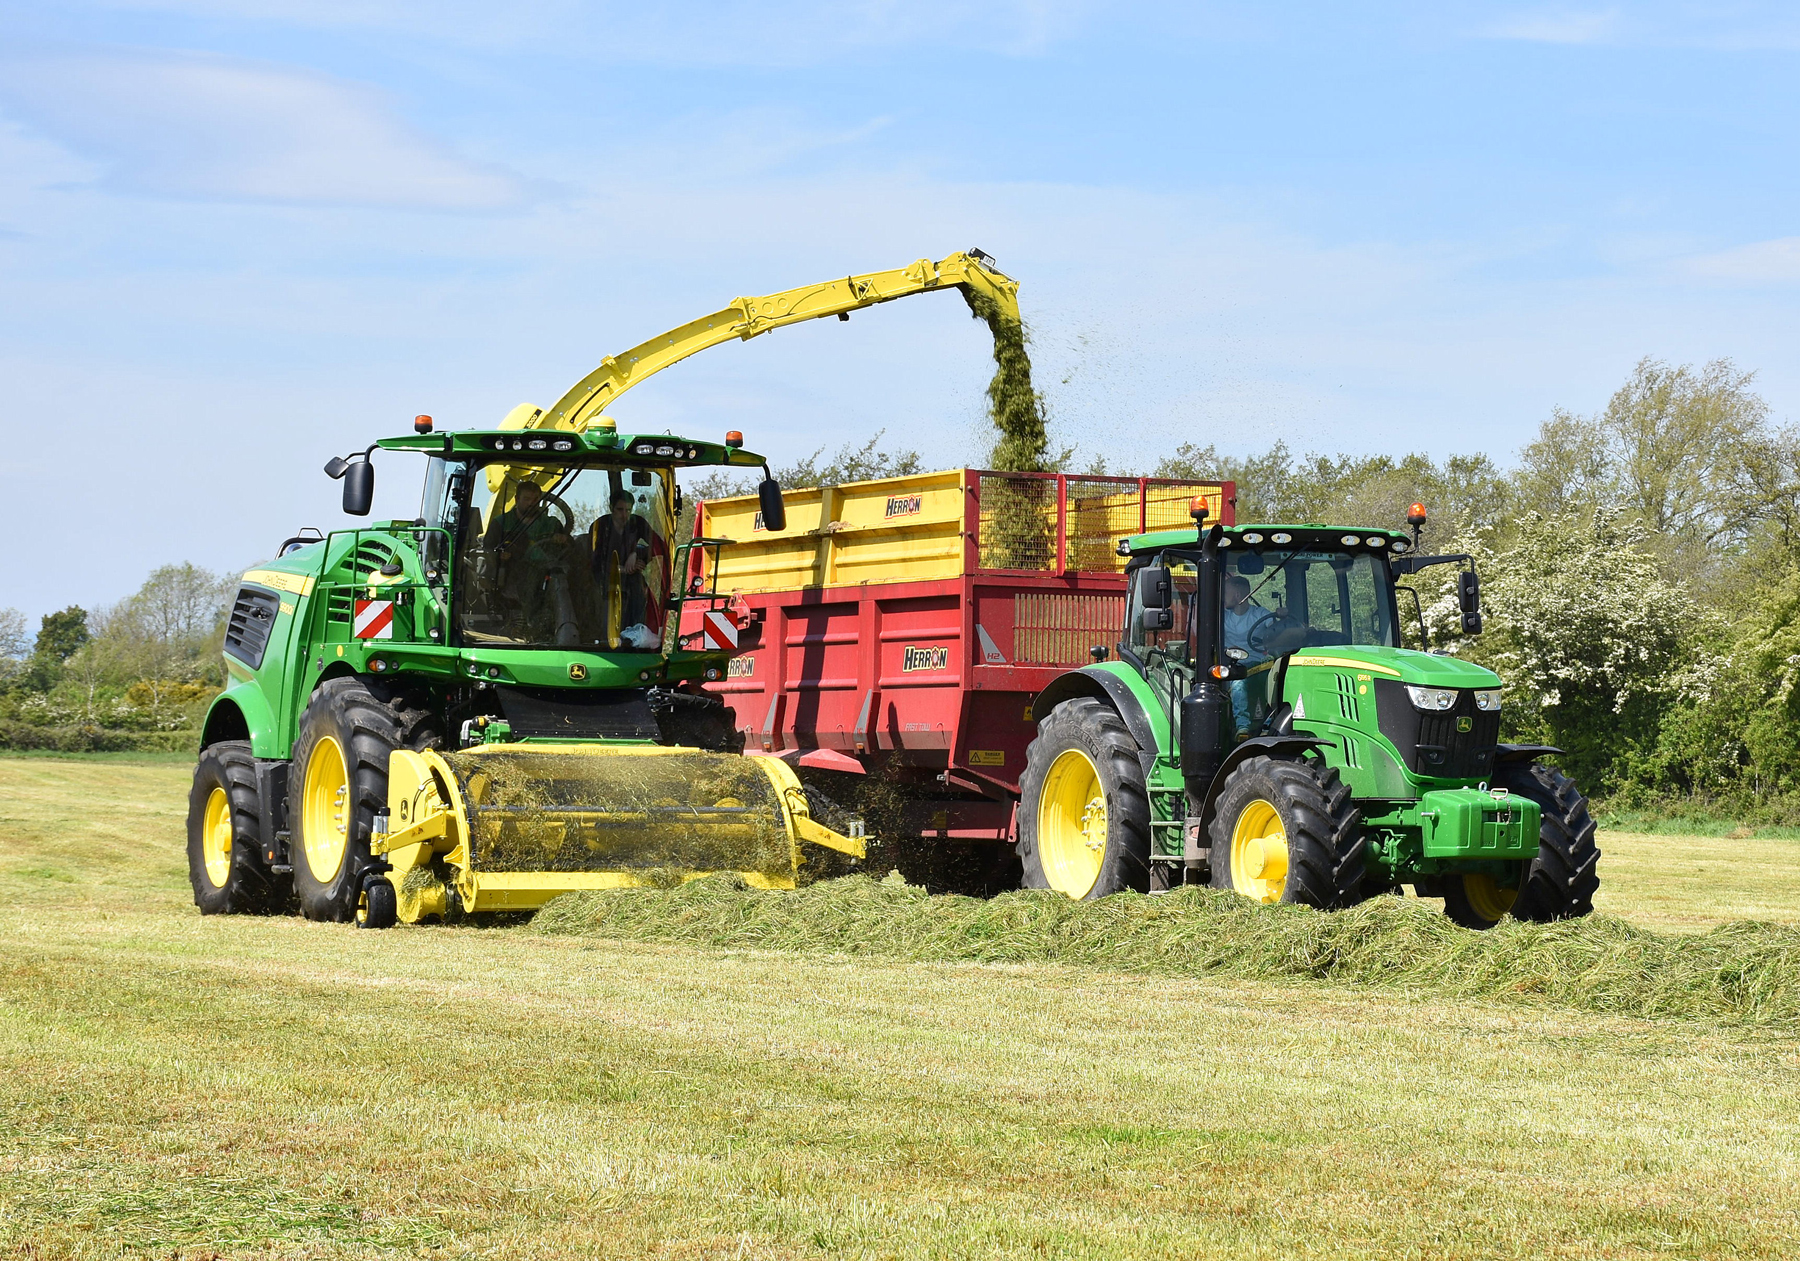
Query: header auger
(493,703)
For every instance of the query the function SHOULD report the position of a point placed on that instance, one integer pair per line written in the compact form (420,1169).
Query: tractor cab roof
(554,446)
(1310,536)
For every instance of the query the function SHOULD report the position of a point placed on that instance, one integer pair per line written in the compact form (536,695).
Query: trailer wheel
(225,855)
(339,782)
(1561,881)
(1084,814)
(1286,831)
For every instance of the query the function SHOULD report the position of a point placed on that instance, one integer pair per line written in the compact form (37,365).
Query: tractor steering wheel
(1257,637)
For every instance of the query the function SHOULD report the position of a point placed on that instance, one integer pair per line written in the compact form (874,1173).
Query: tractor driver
(526,542)
(1243,618)
(619,545)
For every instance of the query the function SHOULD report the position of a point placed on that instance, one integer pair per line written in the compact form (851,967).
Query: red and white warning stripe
(721,630)
(374,619)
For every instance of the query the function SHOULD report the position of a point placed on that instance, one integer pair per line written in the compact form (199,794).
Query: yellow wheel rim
(215,837)
(1072,824)
(1259,853)
(1487,897)
(325,810)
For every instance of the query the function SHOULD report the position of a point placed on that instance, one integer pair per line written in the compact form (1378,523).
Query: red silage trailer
(901,628)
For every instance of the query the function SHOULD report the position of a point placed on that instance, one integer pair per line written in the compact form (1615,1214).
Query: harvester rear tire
(338,784)
(1561,881)
(1099,844)
(225,854)
(1287,831)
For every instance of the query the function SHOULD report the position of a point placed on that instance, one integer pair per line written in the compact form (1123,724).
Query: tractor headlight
(1488,699)
(1432,699)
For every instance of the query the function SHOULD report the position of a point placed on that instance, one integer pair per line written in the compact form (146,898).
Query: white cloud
(1558,27)
(1775,262)
(190,125)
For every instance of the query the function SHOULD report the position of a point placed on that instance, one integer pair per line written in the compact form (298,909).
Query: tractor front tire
(1084,813)
(339,782)
(225,853)
(1561,881)
(1287,831)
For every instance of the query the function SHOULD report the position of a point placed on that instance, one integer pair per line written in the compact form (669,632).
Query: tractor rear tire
(225,853)
(1561,881)
(338,784)
(1084,813)
(1287,831)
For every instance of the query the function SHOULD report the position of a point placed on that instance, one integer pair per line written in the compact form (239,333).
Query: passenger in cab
(619,548)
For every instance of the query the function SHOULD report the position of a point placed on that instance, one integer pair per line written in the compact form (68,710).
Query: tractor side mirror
(774,510)
(1468,596)
(359,488)
(1154,588)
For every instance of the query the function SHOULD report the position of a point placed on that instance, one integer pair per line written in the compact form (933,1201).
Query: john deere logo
(1464,724)
(577,671)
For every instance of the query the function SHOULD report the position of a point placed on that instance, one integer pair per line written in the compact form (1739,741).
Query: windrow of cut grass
(1741,972)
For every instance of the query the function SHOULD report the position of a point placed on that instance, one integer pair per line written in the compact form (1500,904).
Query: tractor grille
(1454,744)
(1445,750)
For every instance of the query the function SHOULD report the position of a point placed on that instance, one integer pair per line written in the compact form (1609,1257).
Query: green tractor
(1263,730)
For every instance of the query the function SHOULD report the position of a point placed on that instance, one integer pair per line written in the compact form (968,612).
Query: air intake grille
(1459,744)
(247,629)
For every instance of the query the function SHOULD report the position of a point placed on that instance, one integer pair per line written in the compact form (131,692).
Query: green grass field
(238,1087)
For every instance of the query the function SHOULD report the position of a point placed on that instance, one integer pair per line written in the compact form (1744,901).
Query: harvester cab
(1263,729)
(493,703)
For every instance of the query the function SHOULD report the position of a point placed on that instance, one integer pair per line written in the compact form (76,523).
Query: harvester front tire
(225,854)
(1561,881)
(1084,814)
(339,782)
(380,905)
(1287,831)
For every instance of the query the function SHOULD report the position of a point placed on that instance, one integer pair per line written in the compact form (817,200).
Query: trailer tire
(1084,813)
(225,854)
(1561,881)
(1287,831)
(339,782)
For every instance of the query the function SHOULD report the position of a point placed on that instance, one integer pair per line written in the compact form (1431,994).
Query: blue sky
(237,238)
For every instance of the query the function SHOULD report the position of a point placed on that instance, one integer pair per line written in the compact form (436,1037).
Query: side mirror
(1468,596)
(1154,589)
(336,466)
(1157,619)
(774,509)
(359,488)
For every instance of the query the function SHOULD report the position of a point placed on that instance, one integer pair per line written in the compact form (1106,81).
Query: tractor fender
(1107,685)
(242,712)
(1523,752)
(1291,747)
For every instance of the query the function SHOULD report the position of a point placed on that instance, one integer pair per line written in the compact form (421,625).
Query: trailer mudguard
(1126,691)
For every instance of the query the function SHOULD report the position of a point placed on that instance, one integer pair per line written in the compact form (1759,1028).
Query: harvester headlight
(1432,699)
(1350,540)
(1253,539)
(537,444)
(1488,699)
(665,449)
(1281,538)
(563,444)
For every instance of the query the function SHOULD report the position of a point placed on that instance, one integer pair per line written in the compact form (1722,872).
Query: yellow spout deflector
(508,827)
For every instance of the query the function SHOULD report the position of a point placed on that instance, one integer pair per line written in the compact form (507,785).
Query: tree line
(1640,572)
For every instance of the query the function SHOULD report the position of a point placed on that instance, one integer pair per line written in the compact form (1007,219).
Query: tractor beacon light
(1415,515)
(1197,509)
(421,424)
(734,439)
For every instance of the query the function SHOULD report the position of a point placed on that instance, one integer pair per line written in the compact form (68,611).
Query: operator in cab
(1242,618)
(526,542)
(619,548)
